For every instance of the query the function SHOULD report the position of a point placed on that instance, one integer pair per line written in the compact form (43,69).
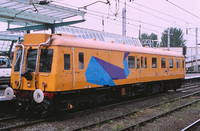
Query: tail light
(48,95)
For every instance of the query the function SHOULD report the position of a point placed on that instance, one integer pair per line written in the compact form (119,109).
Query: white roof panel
(33,12)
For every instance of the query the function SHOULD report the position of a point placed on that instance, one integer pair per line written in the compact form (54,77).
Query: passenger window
(46,58)
(81,61)
(177,63)
(163,63)
(145,62)
(138,63)
(17,60)
(183,63)
(170,63)
(131,62)
(141,62)
(67,61)
(154,62)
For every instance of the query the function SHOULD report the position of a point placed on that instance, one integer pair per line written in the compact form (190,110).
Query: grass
(117,126)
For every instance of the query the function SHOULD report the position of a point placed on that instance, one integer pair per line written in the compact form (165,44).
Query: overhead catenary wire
(94,13)
(183,9)
(118,17)
(153,15)
(139,21)
(164,13)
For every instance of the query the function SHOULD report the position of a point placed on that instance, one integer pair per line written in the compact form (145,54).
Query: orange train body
(104,64)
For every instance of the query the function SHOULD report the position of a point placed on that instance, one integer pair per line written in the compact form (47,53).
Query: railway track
(159,116)
(22,122)
(193,126)
(8,118)
(90,126)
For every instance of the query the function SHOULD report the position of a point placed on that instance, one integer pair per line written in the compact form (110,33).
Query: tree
(176,38)
(152,37)
(144,36)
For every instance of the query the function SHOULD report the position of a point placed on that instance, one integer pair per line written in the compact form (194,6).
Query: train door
(80,61)
(138,67)
(68,67)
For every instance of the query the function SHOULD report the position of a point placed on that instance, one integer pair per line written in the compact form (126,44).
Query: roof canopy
(32,12)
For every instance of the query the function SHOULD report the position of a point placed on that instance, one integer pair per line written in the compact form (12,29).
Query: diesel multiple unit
(61,71)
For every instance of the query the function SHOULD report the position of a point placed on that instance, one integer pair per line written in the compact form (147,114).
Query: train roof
(71,41)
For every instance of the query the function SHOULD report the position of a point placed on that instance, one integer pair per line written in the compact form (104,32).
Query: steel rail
(133,112)
(23,124)
(192,126)
(8,118)
(159,116)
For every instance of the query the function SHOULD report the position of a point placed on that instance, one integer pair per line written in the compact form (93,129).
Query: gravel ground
(142,115)
(176,121)
(69,124)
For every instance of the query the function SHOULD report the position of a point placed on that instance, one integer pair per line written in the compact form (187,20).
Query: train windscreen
(17,60)
(31,59)
(46,58)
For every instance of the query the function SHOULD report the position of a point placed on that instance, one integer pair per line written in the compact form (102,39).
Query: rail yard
(138,113)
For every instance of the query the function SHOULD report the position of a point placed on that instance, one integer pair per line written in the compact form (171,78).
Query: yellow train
(61,71)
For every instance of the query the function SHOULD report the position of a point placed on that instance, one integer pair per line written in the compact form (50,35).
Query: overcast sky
(146,11)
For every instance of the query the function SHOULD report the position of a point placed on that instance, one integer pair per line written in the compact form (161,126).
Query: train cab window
(170,63)
(67,61)
(163,63)
(138,63)
(46,58)
(141,62)
(145,62)
(31,59)
(81,61)
(131,62)
(183,62)
(17,60)
(154,62)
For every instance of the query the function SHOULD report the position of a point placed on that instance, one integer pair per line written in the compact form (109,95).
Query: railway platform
(192,75)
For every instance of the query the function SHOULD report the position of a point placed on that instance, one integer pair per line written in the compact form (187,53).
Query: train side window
(163,63)
(67,61)
(170,63)
(138,63)
(154,62)
(142,62)
(81,60)
(145,62)
(183,63)
(17,60)
(131,62)
(177,63)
